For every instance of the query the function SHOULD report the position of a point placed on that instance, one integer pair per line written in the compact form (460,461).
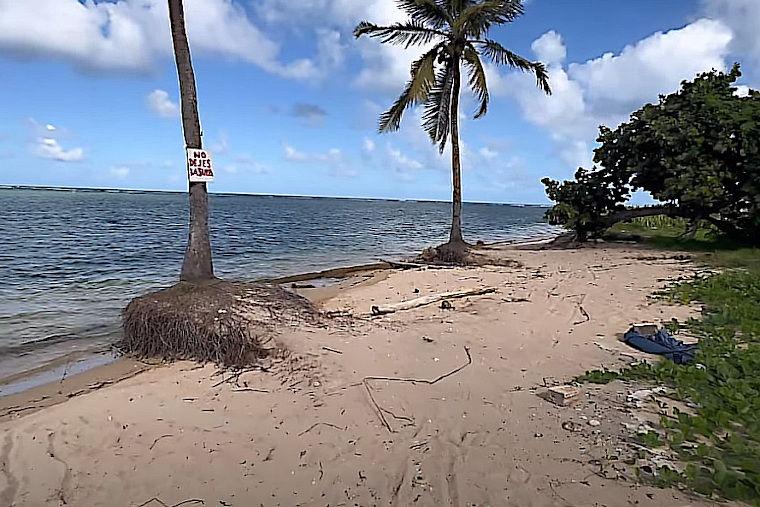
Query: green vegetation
(697,152)
(458,32)
(718,437)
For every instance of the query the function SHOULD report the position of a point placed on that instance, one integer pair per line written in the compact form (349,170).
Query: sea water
(70,260)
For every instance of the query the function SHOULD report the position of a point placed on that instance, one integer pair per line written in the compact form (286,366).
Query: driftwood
(404,264)
(426,300)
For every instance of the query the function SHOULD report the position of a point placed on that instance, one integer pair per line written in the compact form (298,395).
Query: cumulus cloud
(130,35)
(607,89)
(293,155)
(385,67)
(160,104)
(549,48)
(47,147)
(368,145)
(741,16)
(45,142)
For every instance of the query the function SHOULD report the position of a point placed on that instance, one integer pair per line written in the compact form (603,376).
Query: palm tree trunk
(456,168)
(197,265)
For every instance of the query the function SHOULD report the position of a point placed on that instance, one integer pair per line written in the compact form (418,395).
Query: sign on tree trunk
(199,166)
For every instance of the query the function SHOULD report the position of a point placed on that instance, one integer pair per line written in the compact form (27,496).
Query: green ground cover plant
(718,438)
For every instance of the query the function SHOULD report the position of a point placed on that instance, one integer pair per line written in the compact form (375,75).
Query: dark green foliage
(598,377)
(697,151)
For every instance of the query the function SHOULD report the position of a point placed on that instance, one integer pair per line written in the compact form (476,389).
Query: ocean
(70,260)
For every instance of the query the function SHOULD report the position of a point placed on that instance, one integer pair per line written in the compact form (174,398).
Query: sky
(289,100)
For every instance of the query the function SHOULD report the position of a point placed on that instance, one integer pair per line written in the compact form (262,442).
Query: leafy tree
(697,151)
(197,264)
(458,32)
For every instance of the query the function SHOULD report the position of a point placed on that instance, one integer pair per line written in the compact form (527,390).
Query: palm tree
(197,265)
(458,30)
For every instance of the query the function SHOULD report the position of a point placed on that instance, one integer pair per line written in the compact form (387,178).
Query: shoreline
(92,358)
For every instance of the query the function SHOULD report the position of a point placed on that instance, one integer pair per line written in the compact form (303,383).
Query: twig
(183,502)
(249,389)
(329,349)
(154,499)
(156,441)
(366,383)
(322,423)
(379,410)
(422,381)
(399,417)
(193,500)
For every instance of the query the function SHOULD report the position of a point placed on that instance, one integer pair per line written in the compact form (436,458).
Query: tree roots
(229,324)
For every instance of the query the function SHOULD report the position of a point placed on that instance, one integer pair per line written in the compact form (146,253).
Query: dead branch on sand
(341,428)
(426,300)
(183,502)
(156,441)
(367,386)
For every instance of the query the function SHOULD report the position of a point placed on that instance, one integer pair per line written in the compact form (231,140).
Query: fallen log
(426,300)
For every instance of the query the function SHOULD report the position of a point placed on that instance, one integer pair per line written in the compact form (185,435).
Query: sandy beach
(456,417)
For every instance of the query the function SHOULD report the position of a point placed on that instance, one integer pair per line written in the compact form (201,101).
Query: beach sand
(316,430)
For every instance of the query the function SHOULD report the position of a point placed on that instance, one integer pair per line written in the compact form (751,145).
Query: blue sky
(289,100)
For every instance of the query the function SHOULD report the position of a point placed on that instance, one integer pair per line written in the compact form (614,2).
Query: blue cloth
(661,343)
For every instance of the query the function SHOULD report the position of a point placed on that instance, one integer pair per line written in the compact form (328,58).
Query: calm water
(71,260)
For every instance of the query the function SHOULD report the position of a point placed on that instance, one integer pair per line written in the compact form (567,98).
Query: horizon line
(131,190)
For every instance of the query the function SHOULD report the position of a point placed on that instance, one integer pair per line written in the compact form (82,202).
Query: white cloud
(607,89)
(368,145)
(386,67)
(160,103)
(46,147)
(221,145)
(549,48)
(742,91)
(487,153)
(334,159)
(130,35)
(119,172)
(293,155)
(402,165)
(741,16)
(331,156)
(245,164)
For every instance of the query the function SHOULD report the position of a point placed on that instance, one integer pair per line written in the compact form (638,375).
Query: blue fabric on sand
(661,343)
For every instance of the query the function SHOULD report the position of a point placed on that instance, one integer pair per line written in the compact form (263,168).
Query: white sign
(199,166)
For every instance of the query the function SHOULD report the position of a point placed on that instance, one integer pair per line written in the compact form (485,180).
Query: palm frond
(455,7)
(437,117)
(417,91)
(410,33)
(476,19)
(502,56)
(477,78)
(427,12)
